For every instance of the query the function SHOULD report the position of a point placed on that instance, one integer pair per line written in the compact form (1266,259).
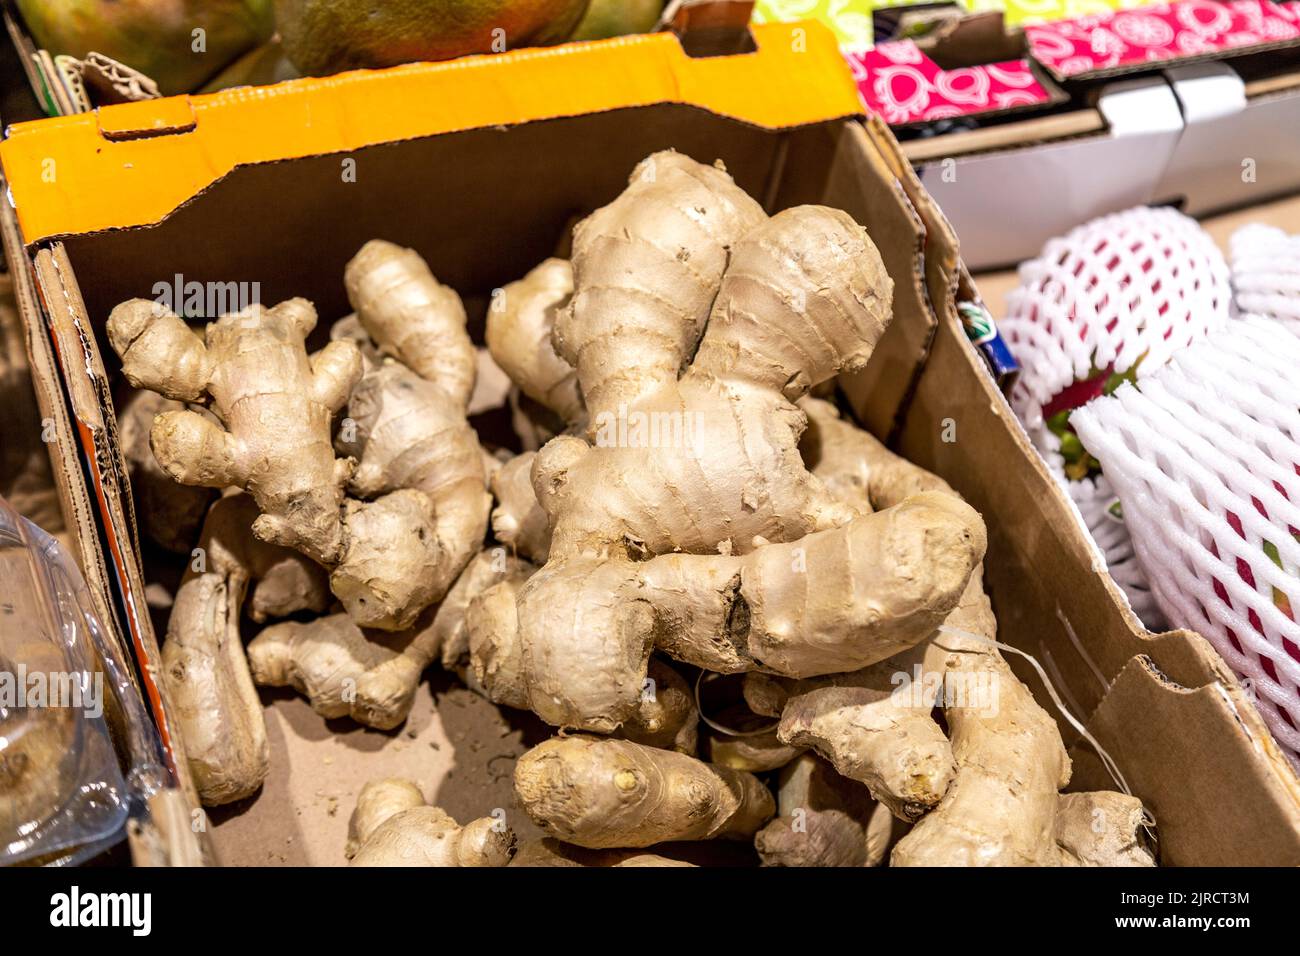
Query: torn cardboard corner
(1179,728)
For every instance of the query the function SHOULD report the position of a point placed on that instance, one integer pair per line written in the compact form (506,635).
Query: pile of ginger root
(702,515)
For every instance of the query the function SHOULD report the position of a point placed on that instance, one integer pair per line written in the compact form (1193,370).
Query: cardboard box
(1283,214)
(479,165)
(1186,103)
(1201,137)
(1210,123)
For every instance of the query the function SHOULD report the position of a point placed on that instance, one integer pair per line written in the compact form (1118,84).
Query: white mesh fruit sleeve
(1266,273)
(1140,282)
(1133,286)
(1205,456)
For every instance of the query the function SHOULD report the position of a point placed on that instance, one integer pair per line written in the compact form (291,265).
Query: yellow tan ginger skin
(600,793)
(689,302)
(393,826)
(274,408)
(410,414)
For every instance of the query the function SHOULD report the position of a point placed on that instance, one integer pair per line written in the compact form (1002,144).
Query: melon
(616,18)
(325,36)
(180,44)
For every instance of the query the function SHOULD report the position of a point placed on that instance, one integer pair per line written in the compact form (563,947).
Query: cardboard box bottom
(483,207)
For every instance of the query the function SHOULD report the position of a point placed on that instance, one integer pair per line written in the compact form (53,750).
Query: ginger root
(170,514)
(344,671)
(857,720)
(495,658)
(666,716)
(824,820)
(519,327)
(392,826)
(378,801)
(1002,805)
(1101,829)
(712,542)
(752,745)
(391,571)
(275,407)
(601,793)
(207,674)
(409,420)
(490,567)
(866,729)
(520,330)
(350,329)
(369,675)
(412,317)
(518,520)
(285,583)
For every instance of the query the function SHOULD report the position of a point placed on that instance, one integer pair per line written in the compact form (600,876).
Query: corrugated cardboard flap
(1165,706)
(133,164)
(90,404)
(1149,722)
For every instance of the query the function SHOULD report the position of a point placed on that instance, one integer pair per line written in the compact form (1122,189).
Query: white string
(729,731)
(1148,820)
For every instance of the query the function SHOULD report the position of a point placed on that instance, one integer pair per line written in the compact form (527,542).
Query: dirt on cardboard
(460,748)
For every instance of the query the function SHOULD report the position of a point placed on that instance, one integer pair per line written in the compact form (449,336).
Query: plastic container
(64,794)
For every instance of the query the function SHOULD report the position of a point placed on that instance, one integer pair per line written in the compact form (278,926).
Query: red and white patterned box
(1126,39)
(899,82)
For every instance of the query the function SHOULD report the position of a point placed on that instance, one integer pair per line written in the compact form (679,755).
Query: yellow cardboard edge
(132,165)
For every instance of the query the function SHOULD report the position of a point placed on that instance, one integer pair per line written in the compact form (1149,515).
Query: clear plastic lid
(63,794)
